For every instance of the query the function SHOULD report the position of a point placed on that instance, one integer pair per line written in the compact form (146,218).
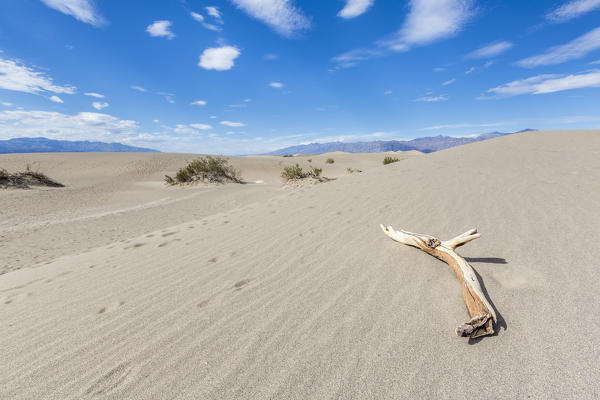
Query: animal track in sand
(240,284)
(110,381)
(111,307)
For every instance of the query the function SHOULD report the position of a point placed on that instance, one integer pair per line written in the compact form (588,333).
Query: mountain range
(44,145)
(424,144)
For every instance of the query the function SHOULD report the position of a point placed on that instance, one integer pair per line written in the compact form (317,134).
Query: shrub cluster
(388,160)
(330,161)
(24,180)
(292,172)
(206,169)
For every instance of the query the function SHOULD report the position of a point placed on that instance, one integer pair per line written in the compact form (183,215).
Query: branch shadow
(490,260)
(501,323)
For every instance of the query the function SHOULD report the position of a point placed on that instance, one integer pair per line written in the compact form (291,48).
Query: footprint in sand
(111,307)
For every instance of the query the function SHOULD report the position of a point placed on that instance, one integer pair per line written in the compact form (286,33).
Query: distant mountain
(43,145)
(425,144)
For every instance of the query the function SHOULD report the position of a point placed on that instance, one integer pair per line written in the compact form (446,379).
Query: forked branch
(482,314)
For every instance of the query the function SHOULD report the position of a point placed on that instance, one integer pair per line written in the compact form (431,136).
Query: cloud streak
(571,10)
(491,50)
(547,83)
(427,21)
(82,10)
(354,8)
(575,49)
(19,78)
(281,15)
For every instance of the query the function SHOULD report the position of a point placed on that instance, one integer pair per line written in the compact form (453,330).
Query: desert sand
(119,287)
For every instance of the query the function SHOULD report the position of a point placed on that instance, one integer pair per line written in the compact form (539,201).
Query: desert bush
(296,172)
(330,161)
(206,169)
(292,172)
(24,180)
(309,160)
(287,155)
(352,170)
(388,160)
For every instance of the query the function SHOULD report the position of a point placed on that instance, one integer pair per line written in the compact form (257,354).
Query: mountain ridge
(45,145)
(428,144)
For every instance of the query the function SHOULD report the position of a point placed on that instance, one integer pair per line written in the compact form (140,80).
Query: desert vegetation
(389,160)
(25,179)
(206,169)
(350,170)
(329,161)
(295,172)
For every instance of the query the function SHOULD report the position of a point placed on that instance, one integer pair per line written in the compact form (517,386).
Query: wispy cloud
(491,50)
(139,88)
(387,92)
(281,15)
(462,126)
(200,18)
(160,29)
(99,105)
(198,103)
(215,13)
(56,99)
(548,83)
(20,78)
(470,71)
(354,8)
(575,49)
(441,97)
(271,57)
(55,125)
(191,128)
(571,10)
(96,95)
(428,21)
(233,124)
(277,85)
(82,10)
(219,58)
(449,82)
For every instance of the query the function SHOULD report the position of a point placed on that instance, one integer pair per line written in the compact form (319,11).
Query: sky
(251,76)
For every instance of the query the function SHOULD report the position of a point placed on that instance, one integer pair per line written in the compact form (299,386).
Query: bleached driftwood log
(482,314)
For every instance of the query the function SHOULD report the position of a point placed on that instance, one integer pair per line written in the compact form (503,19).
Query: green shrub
(309,160)
(206,169)
(287,155)
(316,171)
(330,161)
(293,172)
(388,160)
(3,173)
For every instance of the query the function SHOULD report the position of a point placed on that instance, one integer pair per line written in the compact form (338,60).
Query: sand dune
(129,289)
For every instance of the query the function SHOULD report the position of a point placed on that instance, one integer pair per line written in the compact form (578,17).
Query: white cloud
(462,126)
(271,57)
(449,82)
(219,58)
(572,9)
(202,127)
(56,99)
(354,8)
(197,17)
(427,22)
(20,78)
(198,103)
(55,125)
(96,95)
(470,71)
(595,62)
(548,83)
(248,100)
(281,15)
(442,97)
(439,69)
(387,92)
(99,106)
(575,49)
(160,29)
(232,124)
(214,12)
(491,50)
(6,104)
(139,88)
(82,10)
(277,85)
(191,129)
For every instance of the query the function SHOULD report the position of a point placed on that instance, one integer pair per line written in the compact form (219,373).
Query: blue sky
(250,76)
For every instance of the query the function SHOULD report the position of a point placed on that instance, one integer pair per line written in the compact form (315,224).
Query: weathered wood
(482,313)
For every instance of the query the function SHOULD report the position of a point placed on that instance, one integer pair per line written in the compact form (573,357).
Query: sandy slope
(299,295)
(112,197)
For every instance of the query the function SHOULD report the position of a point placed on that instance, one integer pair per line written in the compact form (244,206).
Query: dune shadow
(501,322)
(490,260)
